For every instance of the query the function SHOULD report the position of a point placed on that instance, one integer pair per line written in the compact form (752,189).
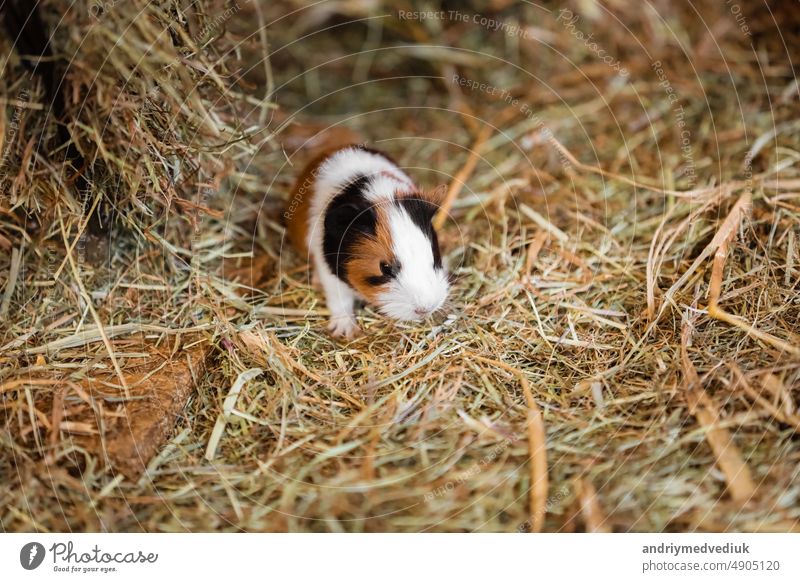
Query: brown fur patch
(369,253)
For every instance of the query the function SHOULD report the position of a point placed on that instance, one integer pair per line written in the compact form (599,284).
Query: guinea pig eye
(386,269)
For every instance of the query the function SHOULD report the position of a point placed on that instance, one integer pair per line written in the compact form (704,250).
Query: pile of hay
(620,351)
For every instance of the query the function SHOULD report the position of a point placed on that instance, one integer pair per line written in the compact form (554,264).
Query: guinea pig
(367,231)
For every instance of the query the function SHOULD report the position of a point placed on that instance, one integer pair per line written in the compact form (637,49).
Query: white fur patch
(418,289)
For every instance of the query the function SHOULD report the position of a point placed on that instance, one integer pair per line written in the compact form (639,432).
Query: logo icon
(31,555)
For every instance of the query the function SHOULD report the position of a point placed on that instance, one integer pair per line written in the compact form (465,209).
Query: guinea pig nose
(421,311)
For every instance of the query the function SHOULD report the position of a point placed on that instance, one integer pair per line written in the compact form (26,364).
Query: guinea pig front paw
(344,327)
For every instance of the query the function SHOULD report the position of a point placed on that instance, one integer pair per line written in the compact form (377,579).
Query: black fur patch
(377,280)
(348,217)
(421,213)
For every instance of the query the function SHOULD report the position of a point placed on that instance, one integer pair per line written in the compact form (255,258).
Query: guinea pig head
(388,252)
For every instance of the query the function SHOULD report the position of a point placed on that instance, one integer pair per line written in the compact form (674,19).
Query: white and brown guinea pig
(367,230)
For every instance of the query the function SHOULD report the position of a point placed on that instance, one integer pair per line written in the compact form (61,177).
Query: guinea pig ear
(437,195)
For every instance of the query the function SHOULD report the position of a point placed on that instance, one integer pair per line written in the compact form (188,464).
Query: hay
(619,352)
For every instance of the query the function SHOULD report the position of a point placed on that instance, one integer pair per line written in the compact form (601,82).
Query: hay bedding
(620,350)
